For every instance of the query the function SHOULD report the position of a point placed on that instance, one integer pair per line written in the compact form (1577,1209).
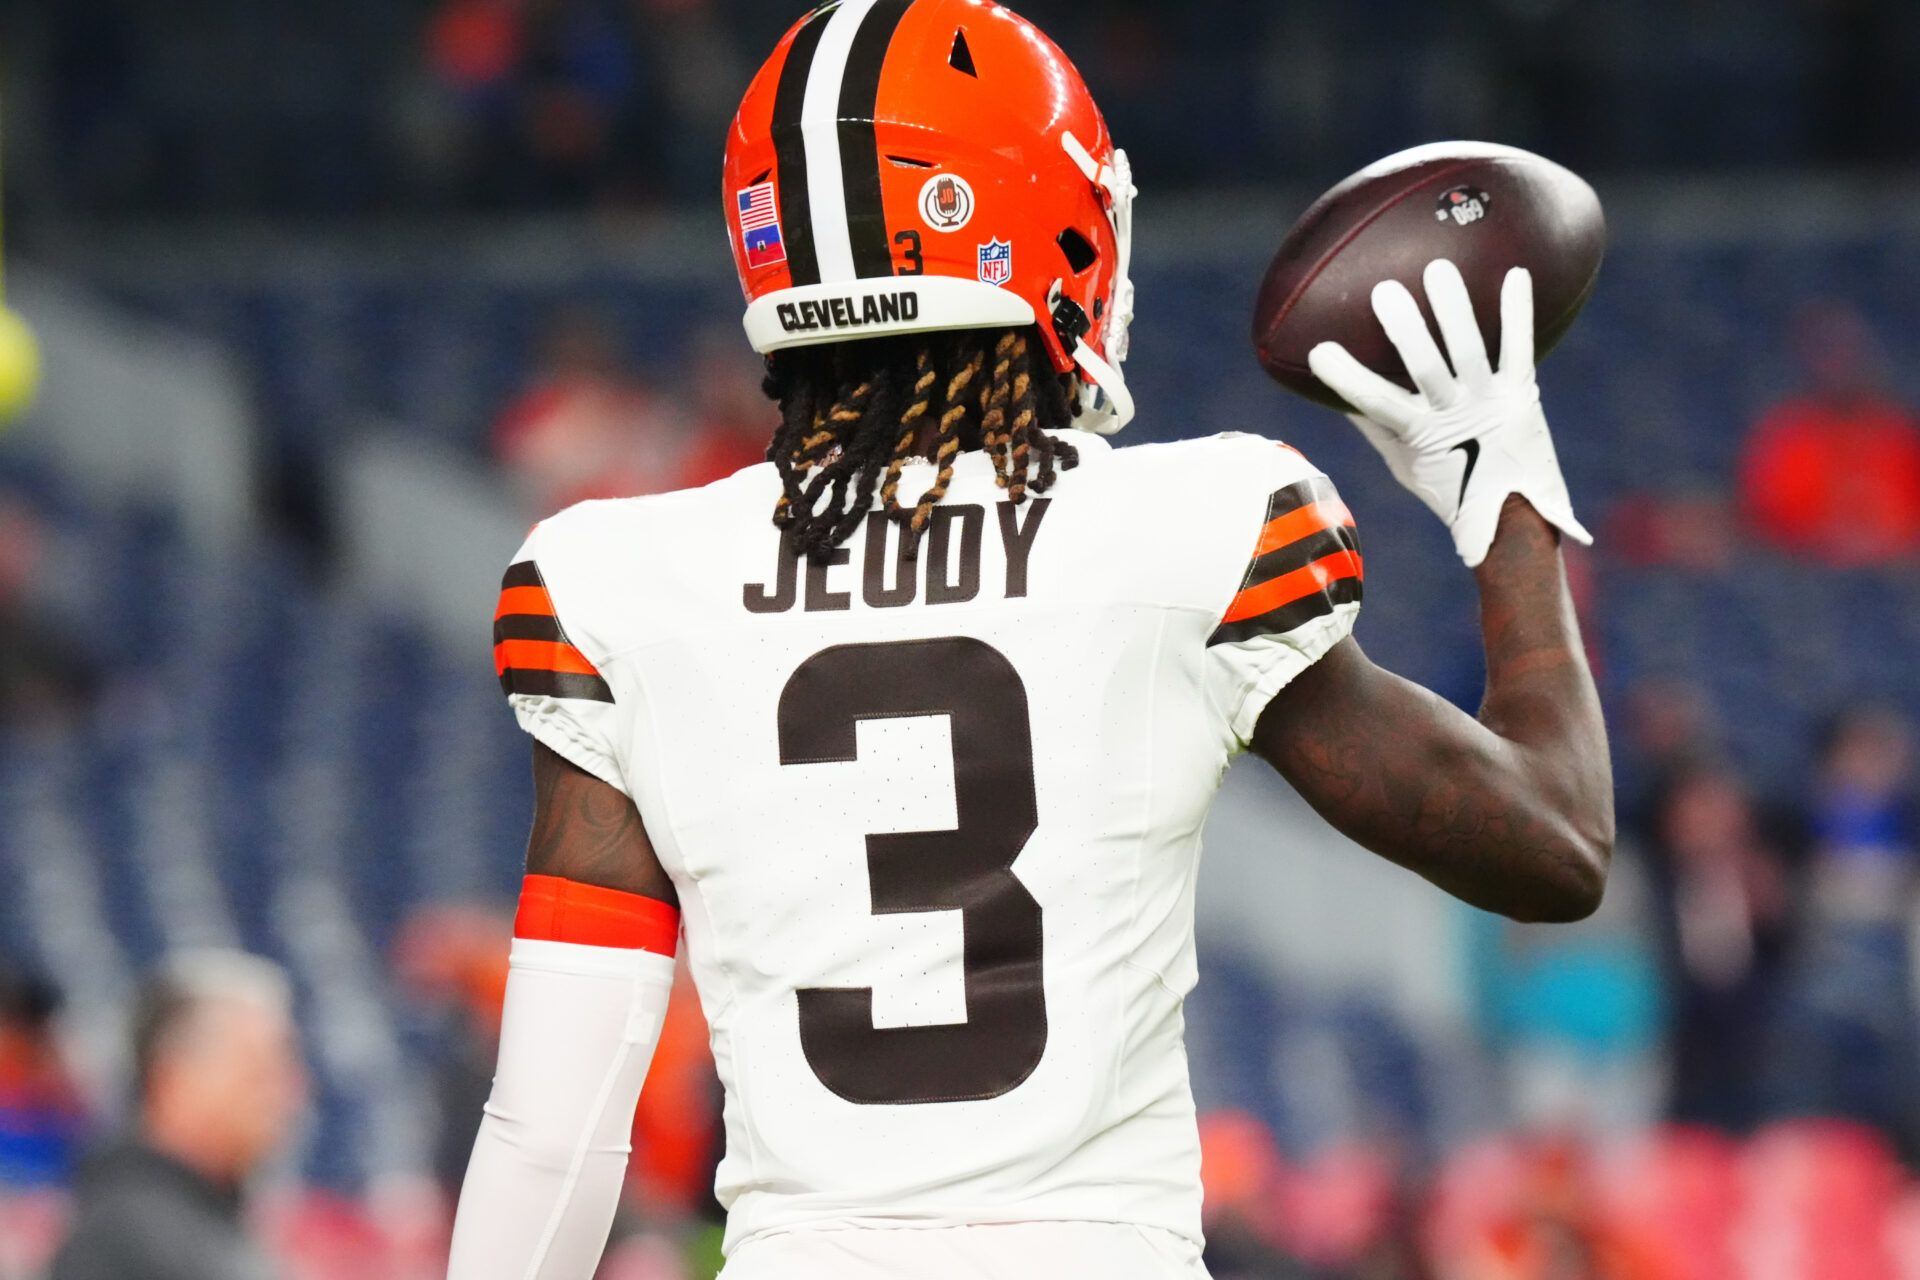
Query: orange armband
(557,910)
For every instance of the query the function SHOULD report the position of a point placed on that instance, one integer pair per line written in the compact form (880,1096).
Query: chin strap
(1107,405)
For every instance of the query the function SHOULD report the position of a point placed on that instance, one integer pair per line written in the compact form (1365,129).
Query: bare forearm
(1512,814)
(1540,692)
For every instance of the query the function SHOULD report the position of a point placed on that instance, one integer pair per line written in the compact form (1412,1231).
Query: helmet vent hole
(908,162)
(961,59)
(1079,250)
(762,177)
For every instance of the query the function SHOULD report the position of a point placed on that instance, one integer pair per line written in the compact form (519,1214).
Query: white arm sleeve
(578,1035)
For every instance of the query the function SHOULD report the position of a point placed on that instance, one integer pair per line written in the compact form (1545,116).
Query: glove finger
(1407,329)
(1557,510)
(1474,529)
(1389,405)
(1447,295)
(1516,323)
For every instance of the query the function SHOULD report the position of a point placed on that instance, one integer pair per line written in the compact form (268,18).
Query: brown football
(1488,208)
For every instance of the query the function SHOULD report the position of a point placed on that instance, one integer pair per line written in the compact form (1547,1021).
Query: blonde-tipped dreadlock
(854,414)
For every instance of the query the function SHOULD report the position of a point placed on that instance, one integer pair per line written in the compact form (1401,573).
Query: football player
(910,733)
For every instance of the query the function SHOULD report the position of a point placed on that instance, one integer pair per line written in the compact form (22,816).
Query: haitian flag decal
(760,227)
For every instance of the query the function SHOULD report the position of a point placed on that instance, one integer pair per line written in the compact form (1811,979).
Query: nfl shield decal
(996,262)
(760,227)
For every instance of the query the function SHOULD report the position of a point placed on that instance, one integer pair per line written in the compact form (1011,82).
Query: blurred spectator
(587,428)
(1678,1194)
(1694,530)
(734,419)
(567,102)
(541,102)
(43,672)
(582,76)
(701,56)
(676,1148)
(1533,1210)
(1346,1214)
(676,1131)
(41,1116)
(1847,1041)
(1822,1196)
(219,1084)
(1834,473)
(475,46)
(453,961)
(1575,1011)
(1669,723)
(1242,1171)
(1721,889)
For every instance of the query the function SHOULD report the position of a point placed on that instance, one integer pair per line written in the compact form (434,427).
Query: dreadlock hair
(853,415)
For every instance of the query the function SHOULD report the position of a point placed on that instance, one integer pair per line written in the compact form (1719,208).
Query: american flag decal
(760,227)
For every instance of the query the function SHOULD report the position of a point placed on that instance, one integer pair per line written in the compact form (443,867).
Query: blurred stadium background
(335,299)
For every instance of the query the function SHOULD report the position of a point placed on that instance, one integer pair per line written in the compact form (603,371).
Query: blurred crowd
(1831,474)
(120,109)
(44,665)
(1713,1079)
(1722,1064)
(589,425)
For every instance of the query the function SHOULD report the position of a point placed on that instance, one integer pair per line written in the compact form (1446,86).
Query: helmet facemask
(1106,403)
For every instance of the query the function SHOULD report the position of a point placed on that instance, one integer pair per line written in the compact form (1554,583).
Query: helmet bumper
(815,314)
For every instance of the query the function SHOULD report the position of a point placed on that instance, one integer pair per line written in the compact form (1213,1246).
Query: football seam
(1320,264)
(1573,309)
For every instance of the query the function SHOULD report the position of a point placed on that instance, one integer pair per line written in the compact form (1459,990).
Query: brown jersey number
(968,869)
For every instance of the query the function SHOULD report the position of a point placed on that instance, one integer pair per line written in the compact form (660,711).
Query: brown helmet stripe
(790,149)
(860,158)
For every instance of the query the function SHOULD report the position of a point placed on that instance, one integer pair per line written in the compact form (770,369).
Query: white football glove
(1470,437)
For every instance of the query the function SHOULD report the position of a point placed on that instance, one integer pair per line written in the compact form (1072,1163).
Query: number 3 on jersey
(968,869)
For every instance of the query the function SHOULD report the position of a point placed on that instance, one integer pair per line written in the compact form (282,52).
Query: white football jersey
(935,825)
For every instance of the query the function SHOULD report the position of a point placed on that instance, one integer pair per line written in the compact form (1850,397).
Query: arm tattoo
(588,832)
(1513,813)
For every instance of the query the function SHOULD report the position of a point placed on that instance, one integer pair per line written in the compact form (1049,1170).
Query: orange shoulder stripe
(1284,590)
(1306,521)
(524,600)
(541,655)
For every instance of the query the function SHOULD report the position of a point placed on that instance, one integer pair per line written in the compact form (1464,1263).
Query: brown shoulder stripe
(531,652)
(1305,564)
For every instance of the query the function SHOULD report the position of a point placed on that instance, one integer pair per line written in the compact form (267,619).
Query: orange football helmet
(907,166)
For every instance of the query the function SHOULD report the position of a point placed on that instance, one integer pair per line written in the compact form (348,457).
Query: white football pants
(1008,1251)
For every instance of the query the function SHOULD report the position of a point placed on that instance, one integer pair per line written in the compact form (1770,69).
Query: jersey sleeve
(1298,596)
(556,690)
